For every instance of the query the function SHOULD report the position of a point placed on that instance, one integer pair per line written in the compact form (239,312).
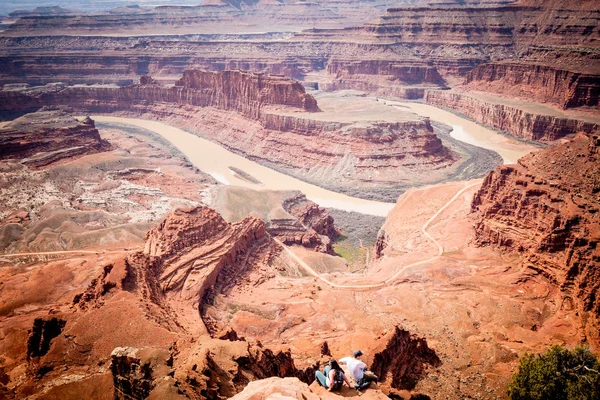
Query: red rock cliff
(44,137)
(247,92)
(521,122)
(548,208)
(193,249)
(539,83)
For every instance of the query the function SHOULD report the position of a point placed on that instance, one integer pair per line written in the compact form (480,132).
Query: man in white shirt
(357,369)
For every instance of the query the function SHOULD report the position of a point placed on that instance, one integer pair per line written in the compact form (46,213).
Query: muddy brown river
(216,161)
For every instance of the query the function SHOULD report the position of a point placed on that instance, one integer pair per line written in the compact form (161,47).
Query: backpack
(362,384)
(338,380)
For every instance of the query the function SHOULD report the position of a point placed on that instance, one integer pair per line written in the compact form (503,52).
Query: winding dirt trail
(49,253)
(302,263)
(389,280)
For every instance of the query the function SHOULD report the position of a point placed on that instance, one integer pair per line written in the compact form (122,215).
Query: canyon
(212,201)
(529,51)
(378,151)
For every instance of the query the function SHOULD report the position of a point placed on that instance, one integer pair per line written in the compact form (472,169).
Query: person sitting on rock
(358,371)
(333,377)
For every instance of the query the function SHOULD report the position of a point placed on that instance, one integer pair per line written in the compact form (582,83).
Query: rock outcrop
(45,137)
(194,250)
(246,92)
(313,227)
(535,82)
(404,360)
(547,208)
(506,115)
(190,257)
(137,372)
(41,335)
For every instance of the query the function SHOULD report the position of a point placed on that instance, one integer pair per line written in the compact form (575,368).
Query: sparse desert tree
(558,374)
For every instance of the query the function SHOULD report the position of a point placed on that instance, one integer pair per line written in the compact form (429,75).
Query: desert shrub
(558,374)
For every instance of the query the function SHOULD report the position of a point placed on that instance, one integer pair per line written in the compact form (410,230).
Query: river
(470,132)
(215,160)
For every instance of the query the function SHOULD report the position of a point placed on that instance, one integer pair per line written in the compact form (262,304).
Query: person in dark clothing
(332,377)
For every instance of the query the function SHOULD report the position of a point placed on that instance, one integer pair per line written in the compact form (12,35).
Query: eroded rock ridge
(547,207)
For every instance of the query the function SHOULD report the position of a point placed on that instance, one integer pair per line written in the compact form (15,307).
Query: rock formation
(194,254)
(404,360)
(41,334)
(547,208)
(246,92)
(190,256)
(400,79)
(45,137)
(540,83)
(276,116)
(137,372)
(521,121)
(313,227)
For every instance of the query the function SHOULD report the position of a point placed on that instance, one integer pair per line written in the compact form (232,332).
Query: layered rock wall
(403,72)
(190,248)
(539,83)
(515,120)
(44,137)
(388,78)
(547,207)
(506,25)
(247,92)
(241,91)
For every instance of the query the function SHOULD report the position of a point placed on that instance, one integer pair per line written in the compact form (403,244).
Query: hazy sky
(7,6)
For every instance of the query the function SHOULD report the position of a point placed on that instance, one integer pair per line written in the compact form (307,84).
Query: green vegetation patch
(355,256)
(558,374)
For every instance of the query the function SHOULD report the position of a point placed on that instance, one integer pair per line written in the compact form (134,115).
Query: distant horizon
(6,7)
